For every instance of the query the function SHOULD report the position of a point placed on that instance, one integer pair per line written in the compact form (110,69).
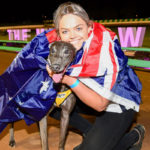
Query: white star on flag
(21,103)
(44,86)
(10,98)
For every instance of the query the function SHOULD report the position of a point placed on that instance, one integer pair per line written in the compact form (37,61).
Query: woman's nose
(72,34)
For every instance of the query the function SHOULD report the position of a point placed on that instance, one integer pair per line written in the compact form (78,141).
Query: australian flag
(26,90)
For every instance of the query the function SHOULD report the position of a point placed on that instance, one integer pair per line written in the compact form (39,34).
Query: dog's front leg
(12,142)
(63,128)
(43,133)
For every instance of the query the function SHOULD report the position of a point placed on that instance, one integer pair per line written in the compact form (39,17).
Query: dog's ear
(49,46)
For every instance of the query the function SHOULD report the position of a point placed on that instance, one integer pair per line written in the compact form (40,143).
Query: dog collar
(61,97)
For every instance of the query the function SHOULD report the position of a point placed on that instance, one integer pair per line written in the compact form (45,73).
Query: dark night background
(30,12)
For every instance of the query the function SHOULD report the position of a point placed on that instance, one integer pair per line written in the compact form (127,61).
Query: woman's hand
(50,73)
(64,79)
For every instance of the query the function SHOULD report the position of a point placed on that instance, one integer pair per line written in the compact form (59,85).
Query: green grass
(10,41)
(9,48)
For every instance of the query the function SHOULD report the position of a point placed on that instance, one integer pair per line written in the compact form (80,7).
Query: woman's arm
(85,94)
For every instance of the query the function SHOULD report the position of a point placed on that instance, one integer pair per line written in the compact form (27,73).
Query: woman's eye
(64,32)
(79,29)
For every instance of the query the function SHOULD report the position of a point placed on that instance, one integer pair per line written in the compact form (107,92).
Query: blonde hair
(69,8)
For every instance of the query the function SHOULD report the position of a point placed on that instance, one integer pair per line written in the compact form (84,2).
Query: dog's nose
(55,67)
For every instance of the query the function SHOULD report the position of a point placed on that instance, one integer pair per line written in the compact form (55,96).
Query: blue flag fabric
(26,90)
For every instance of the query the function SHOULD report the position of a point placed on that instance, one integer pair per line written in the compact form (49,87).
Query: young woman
(102,80)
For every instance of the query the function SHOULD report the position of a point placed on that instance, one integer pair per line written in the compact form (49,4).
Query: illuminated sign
(22,34)
(38,31)
(129,36)
(19,34)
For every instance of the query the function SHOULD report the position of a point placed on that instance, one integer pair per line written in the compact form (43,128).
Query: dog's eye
(66,51)
(52,51)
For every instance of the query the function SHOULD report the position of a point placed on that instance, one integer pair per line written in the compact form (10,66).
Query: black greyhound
(60,56)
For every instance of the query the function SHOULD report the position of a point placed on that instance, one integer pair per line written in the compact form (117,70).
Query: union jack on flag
(102,66)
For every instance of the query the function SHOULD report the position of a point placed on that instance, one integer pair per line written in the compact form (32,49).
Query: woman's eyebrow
(73,27)
(78,25)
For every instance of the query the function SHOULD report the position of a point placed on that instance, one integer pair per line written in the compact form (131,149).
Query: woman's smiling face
(74,30)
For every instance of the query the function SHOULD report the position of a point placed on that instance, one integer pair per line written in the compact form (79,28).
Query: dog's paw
(12,143)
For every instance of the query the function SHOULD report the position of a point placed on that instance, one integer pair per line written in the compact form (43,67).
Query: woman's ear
(89,29)
(90,26)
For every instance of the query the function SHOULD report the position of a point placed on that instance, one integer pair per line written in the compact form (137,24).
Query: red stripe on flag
(91,63)
(112,34)
(114,64)
(52,36)
(83,59)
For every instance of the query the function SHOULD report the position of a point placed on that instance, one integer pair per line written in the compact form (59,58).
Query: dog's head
(60,56)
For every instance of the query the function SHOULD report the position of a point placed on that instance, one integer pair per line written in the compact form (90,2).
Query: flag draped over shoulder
(27,92)
(102,66)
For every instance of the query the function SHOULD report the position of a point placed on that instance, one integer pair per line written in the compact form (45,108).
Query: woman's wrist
(68,80)
(75,84)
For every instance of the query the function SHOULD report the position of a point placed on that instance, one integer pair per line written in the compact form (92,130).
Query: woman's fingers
(49,71)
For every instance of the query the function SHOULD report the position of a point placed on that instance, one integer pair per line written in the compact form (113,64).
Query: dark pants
(109,131)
